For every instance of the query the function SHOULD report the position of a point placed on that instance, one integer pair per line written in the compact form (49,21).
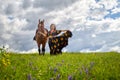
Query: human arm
(64,31)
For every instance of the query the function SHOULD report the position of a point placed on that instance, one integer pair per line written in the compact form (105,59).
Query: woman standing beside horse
(57,43)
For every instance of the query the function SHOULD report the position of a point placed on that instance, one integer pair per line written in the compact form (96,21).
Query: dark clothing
(56,44)
(53,34)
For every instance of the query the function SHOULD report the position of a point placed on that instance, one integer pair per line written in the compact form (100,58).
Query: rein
(42,33)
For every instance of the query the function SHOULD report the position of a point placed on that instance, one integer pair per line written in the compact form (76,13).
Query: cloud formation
(95,23)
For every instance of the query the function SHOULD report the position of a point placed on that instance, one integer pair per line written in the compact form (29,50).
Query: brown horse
(41,37)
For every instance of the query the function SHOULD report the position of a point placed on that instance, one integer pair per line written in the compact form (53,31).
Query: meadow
(68,66)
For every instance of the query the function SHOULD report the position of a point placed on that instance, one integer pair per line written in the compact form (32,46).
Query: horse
(41,37)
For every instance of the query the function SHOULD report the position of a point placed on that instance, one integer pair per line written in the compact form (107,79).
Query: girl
(56,43)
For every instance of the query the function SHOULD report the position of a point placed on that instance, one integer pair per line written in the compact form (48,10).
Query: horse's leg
(39,49)
(43,48)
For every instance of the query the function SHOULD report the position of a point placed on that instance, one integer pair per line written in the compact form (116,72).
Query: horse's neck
(44,31)
(41,29)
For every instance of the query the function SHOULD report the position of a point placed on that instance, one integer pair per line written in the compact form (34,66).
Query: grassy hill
(68,66)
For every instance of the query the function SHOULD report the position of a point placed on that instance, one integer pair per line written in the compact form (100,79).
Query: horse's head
(41,24)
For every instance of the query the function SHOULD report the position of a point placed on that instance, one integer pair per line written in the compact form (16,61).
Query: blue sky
(95,23)
(113,16)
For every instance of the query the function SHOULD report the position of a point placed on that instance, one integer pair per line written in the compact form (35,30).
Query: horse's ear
(39,20)
(43,20)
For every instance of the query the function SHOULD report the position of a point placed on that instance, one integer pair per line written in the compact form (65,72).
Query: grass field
(68,66)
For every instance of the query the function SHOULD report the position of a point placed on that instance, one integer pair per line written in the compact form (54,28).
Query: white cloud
(91,31)
(29,51)
(116,10)
(115,48)
(109,4)
(93,35)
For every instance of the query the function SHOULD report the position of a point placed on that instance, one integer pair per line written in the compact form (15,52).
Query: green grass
(79,66)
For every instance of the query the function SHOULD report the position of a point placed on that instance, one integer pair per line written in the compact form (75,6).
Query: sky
(95,24)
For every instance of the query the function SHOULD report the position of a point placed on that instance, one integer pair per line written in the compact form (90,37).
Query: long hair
(53,25)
